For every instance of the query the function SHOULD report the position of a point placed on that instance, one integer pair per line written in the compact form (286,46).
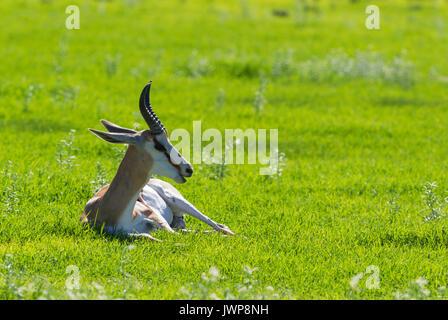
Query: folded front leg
(143,235)
(155,216)
(178,222)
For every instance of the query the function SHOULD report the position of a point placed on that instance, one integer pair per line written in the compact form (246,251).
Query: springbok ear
(111,127)
(112,137)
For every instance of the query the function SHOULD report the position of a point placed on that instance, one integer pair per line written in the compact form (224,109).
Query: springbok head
(166,160)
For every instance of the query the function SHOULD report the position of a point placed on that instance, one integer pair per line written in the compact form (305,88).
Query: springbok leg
(153,215)
(115,231)
(179,203)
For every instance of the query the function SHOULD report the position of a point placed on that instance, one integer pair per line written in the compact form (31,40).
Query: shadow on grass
(99,233)
(74,229)
(38,125)
(406,102)
(434,239)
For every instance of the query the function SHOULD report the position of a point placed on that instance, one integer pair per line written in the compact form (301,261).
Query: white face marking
(167,160)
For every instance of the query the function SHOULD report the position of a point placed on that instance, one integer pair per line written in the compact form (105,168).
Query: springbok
(133,203)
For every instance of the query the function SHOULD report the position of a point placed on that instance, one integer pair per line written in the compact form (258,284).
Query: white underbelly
(152,198)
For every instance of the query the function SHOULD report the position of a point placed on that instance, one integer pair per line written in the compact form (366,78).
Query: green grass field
(361,115)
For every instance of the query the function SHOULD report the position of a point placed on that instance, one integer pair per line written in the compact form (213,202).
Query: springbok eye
(158,146)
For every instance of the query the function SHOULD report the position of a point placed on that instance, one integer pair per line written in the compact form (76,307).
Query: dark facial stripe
(161,148)
(174,165)
(158,146)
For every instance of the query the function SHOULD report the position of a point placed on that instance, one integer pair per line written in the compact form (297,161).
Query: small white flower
(421,282)
(214,273)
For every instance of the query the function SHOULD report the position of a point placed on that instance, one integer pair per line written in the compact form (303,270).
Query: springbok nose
(189,171)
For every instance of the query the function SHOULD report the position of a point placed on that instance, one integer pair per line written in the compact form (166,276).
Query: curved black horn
(155,125)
